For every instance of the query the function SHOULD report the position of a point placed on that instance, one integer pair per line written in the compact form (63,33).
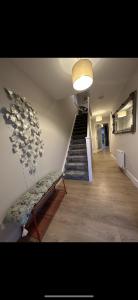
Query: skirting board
(131,177)
(96,151)
(113,156)
(129,174)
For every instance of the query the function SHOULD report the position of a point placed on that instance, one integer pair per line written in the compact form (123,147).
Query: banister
(89,143)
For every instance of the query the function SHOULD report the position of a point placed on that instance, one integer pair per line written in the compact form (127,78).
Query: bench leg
(36,227)
(64,185)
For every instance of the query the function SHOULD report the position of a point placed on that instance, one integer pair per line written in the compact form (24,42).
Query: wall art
(26,136)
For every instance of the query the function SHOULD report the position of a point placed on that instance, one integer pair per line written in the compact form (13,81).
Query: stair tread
(77,149)
(77,176)
(77,156)
(80,128)
(81,121)
(81,117)
(80,124)
(74,138)
(75,159)
(78,134)
(76,172)
(79,131)
(76,163)
(79,145)
(76,166)
(78,141)
(71,152)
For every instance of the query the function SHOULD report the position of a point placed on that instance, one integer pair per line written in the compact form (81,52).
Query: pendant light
(82,75)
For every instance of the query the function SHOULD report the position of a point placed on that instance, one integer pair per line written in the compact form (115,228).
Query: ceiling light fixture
(82,75)
(98,118)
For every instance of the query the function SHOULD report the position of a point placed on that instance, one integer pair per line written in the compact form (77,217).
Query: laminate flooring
(105,210)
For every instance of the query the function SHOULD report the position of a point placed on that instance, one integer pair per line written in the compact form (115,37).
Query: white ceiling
(54,76)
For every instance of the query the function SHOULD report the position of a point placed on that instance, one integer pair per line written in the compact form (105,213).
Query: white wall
(128,141)
(55,119)
(94,132)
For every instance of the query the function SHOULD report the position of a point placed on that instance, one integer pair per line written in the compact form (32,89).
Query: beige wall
(128,142)
(55,118)
(94,132)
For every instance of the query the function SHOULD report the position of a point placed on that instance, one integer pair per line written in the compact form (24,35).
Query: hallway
(104,211)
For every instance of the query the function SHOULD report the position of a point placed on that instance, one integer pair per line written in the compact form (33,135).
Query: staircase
(76,166)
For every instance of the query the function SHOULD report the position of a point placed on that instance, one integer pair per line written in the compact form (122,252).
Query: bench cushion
(49,179)
(21,209)
(11,232)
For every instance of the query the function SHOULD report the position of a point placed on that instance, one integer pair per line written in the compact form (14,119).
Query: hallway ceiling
(53,75)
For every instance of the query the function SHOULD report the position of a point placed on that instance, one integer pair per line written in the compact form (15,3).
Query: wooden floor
(104,211)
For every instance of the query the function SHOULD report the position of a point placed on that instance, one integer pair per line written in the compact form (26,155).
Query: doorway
(99,137)
(102,136)
(105,135)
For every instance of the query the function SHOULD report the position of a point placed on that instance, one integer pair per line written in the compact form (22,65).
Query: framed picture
(124,119)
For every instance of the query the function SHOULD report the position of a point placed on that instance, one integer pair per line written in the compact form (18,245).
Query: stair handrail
(89,142)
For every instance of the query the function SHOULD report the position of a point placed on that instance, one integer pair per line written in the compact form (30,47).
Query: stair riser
(77,132)
(76,168)
(78,127)
(83,128)
(77,159)
(80,130)
(77,147)
(78,136)
(80,123)
(71,177)
(75,137)
(77,152)
(78,141)
(80,133)
(81,118)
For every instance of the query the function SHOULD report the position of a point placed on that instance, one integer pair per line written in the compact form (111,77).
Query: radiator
(121,158)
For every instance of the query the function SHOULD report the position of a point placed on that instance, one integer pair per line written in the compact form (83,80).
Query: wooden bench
(26,209)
